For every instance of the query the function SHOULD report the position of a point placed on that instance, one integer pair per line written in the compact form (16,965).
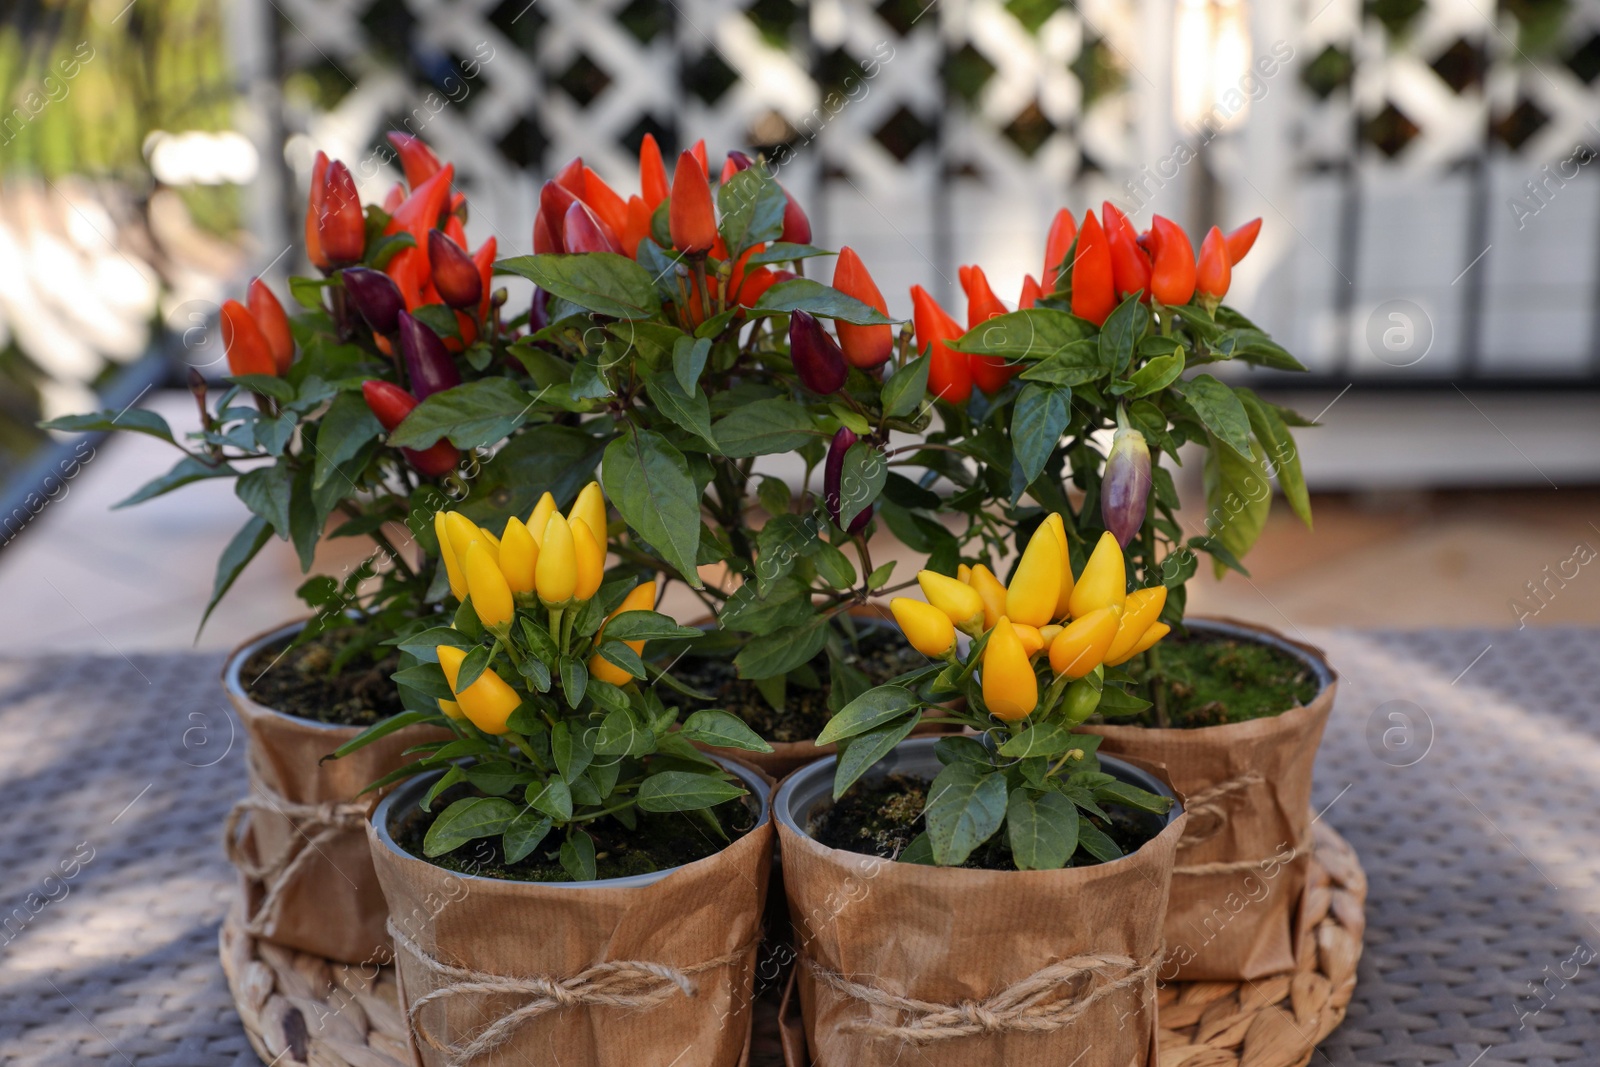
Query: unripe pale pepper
(488,702)
(1031,596)
(927,628)
(1104,581)
(1010,689)
(1125,489)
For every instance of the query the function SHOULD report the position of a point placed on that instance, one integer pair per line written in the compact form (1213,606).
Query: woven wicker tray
(300,1009)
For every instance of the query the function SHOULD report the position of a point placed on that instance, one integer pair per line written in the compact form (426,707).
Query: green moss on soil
(661,841)
(1209,679)
(299,682)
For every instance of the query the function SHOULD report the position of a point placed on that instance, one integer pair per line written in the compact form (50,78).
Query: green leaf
(648,626)
(1253,346)
(1078,363)
(1281,454)
(1038,419)
(689,410)
(1043,830)
(620,655)
(861,478)
(1131,796)
(552,796)
(1096,843)
(574,679)
(1034,334)
(648,481)
(467,820)
(751,205)
(966,805)
(1220,410)
(621,734)
(422,645)
(345,427)
(904,391)
(868,711)
(1157,374)
(833,566)
(782,650)
(763,428)
(135,420)
(265,491)
(803,294)
(571,748)
(864,750)
(474,415)
(1121,332)
(1041,739)
(1238,498)
(577,851)
(716,727)
(427,679)
(787,603)
(187,470)
(524,834)
(602,282)
(785,252)
(689,356)
(240,551)
(379,729)
(685,791)
(560,459)
(472,667)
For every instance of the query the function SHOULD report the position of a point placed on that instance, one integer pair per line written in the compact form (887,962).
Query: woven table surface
(1464,767)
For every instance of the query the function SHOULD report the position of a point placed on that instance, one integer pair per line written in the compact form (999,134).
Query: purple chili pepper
(375,296)
(539,311)
(455,276)
(739,160)
(832,473)
(428,362)
(817,357)
(1125,489)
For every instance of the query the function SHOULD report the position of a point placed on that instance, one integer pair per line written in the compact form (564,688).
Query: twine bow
(629,984)
(315,825)
(1035,1004)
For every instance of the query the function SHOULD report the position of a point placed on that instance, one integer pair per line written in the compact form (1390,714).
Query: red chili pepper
(1093,292)
(698,151)
(416,158)
(603,200)
(1172,276)
(394,198)
(248,351)
(274,324)
(549,226)
(1240,240)
(865,347)
(736,162)
(1130,267)
(420,213)
(341,227)
(1112,219)
(428,363)
(455,276)
(408,269)
(692,218)
(391,404)
(637,227)
(796,226)
(949,371)
(584,232)
(483,259)
(989,373)
(653,185)
(1215,271)
(758,282)
(570,177)
(314,206)
(1030,293)
(1062,230)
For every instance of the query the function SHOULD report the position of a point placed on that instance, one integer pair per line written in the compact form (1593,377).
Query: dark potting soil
(1209,679)
(881,653)
(881,818)
(359,693)
(661,841)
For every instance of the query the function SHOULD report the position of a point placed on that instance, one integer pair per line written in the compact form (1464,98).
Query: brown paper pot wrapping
(329,903)
(962,941)
(787,756)
(559,951)
(1241,867)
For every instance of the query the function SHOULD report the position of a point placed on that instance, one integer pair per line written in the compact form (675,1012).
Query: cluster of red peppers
(1103,261)
(257,337)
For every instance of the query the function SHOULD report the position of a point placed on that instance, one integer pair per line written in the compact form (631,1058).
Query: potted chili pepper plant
(1052,860)
(1119,341)
(569,878)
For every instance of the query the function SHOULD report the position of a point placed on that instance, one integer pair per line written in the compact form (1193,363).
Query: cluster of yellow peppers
(1080,623)
(551,559)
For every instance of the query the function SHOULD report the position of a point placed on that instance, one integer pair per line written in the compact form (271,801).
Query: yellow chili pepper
(452,710)
(641,598)
(963,574)
(1009,687)
(1155,632)
(589,559)
(491,596)
(447,552)
(928,628)
(539,518)
(1030,636)
(463,531)
(519,555)
(1104,581)
(1142,608)
(1048,633)
(591,508)
(1064,596)
(992,593)
(556,573)
(488,702)
(959,601)
(1081,646)
(1031,596)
